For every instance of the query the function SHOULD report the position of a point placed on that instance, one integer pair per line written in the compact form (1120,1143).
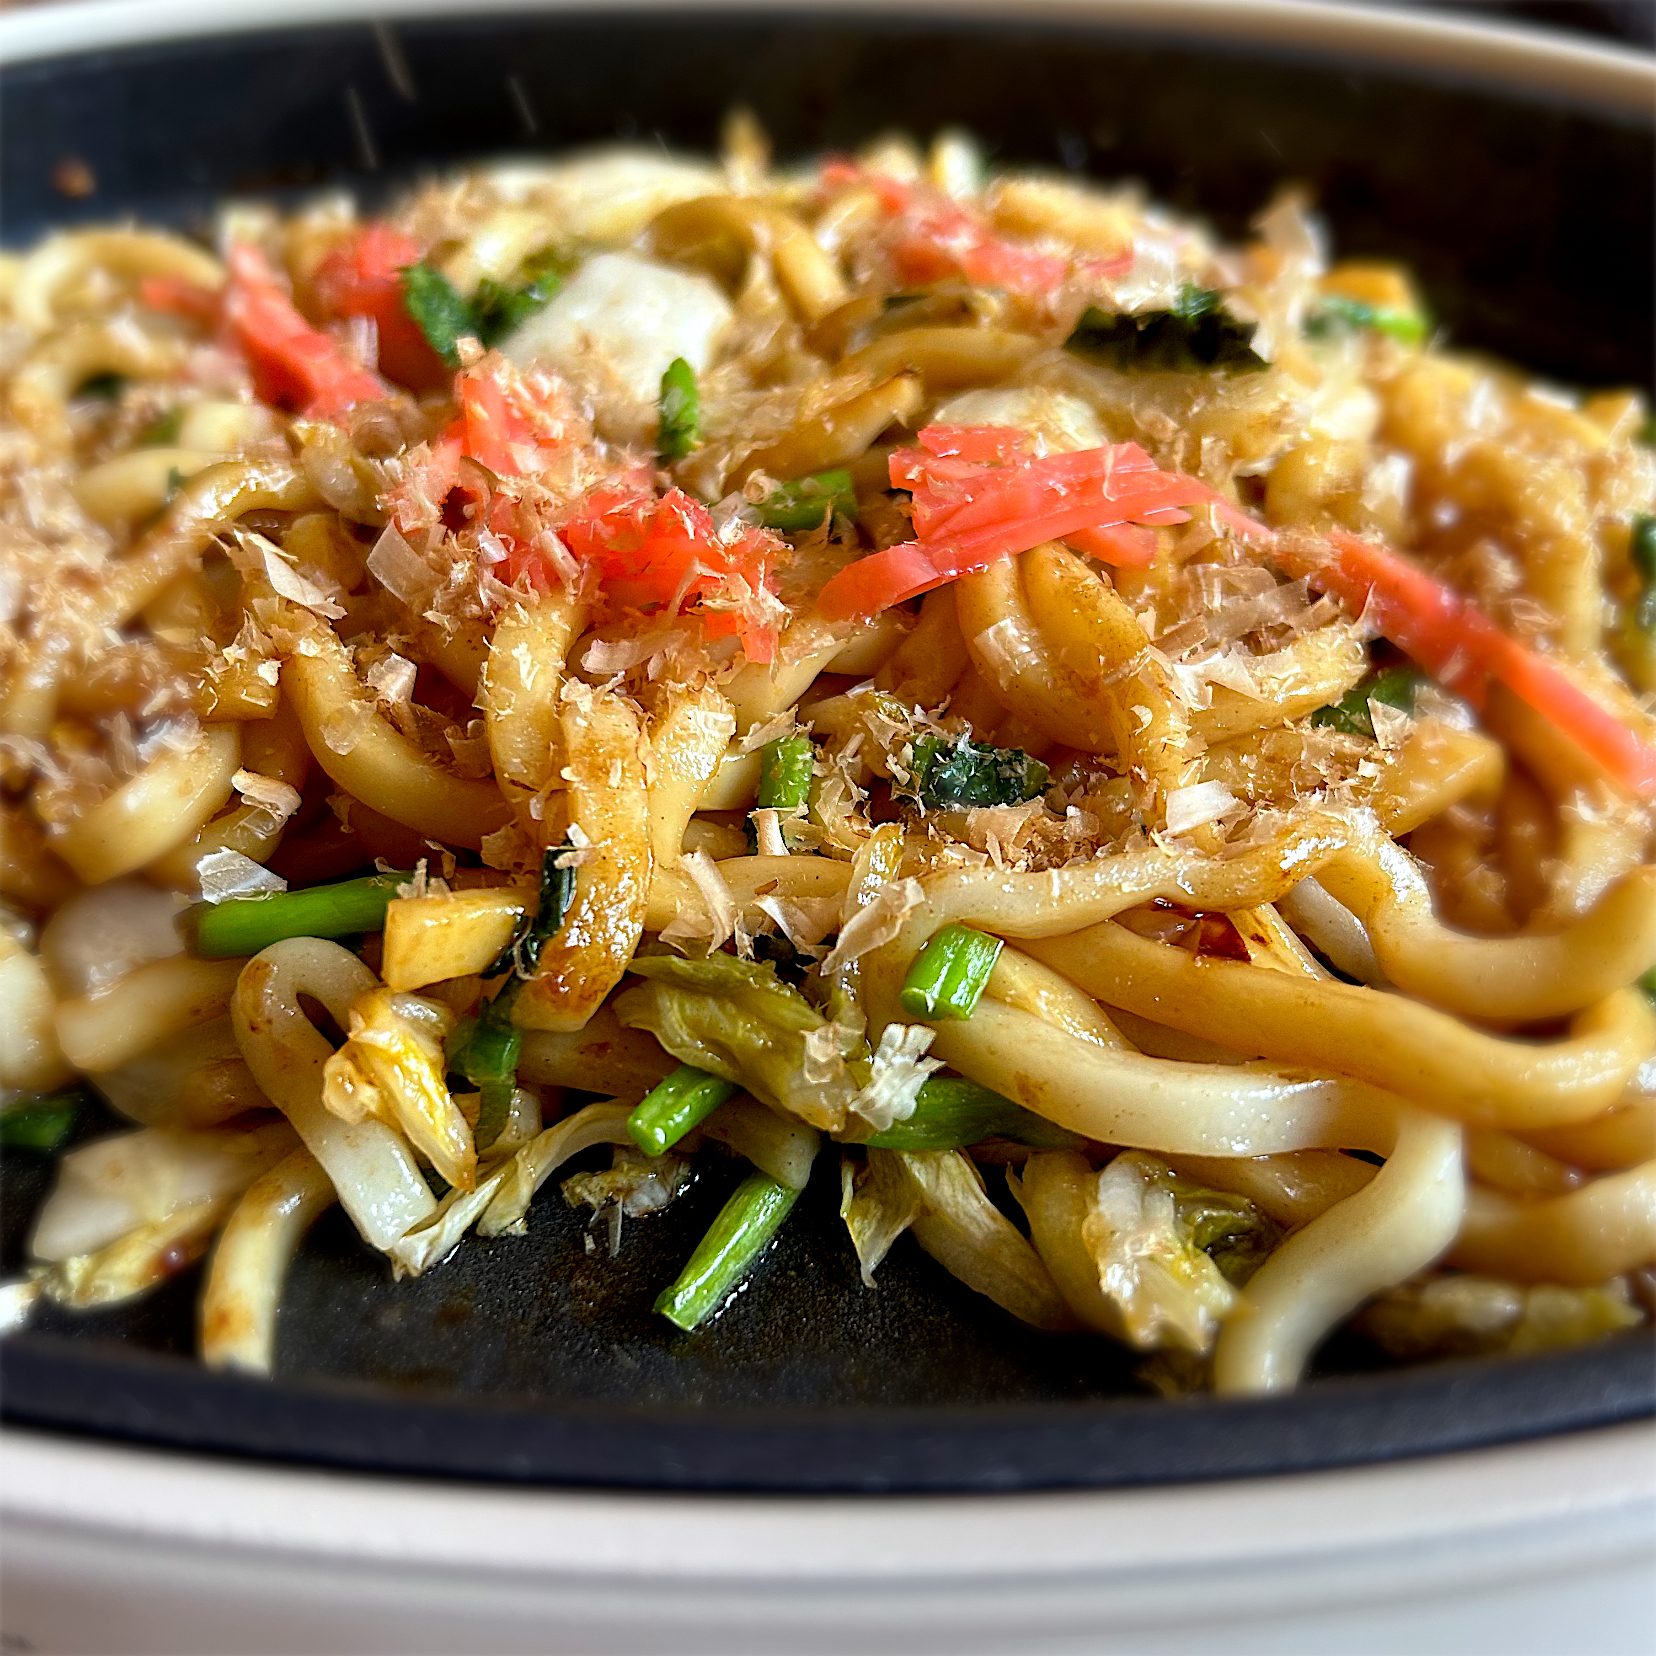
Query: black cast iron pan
(1531,224)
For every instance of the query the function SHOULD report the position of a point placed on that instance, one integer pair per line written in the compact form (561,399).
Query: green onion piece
(1394,686)
(557,892)
(108,386)
(486,1050)
(785,768)
(950,973)
(1648,984)
(1646,433)
(723,1257)
(1641,550)
(952,1113)
(441,314)
(672,1107)
(807,502)
(244,925)
(502,310)
(164,433)
(40,1123)
(1196,331)
(963,773)
(1337,312)
(679,427)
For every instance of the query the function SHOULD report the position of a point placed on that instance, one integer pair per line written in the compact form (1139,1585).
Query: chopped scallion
(723,1258)
(107,387)
(785,769)
(950,973)
(679,429)
(952,1113)
(40,1123)
(557,892)
(486,1051)
(672,1107)
(807,502)
(1337,312)
(244,925)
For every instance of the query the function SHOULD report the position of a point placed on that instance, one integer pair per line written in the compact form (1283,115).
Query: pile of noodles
(1370,984)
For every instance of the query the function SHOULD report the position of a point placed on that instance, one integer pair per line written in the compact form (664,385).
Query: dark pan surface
(539,1358)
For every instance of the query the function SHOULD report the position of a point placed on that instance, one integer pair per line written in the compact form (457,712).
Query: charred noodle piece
(1098,646)
(245,925)
(250,1261)
(672,1107)
(724,1257)
(177,793)
(688,737)
(607,801)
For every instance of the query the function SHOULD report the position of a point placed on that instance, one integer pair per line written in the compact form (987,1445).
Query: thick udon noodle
(1382,991)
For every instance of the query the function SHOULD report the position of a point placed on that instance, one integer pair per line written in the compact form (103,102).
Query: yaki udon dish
(1124,752)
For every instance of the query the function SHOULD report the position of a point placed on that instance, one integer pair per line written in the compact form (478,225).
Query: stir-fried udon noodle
(1132,739)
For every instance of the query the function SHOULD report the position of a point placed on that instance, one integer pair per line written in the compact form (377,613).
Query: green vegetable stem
(672,1107)
(679,428)
(952,1113)
(950,974)
(723,1258)
(244,925)
(807,502)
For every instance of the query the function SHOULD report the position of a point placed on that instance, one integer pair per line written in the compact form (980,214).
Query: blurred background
(1631,21)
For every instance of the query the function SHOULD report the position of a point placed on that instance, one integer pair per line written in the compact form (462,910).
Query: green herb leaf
(679,428)
(40,1123)
(961,772)
(502,308)
(440,313)
(1194,333)
(1336,313)
(809,502)
(1395,687)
